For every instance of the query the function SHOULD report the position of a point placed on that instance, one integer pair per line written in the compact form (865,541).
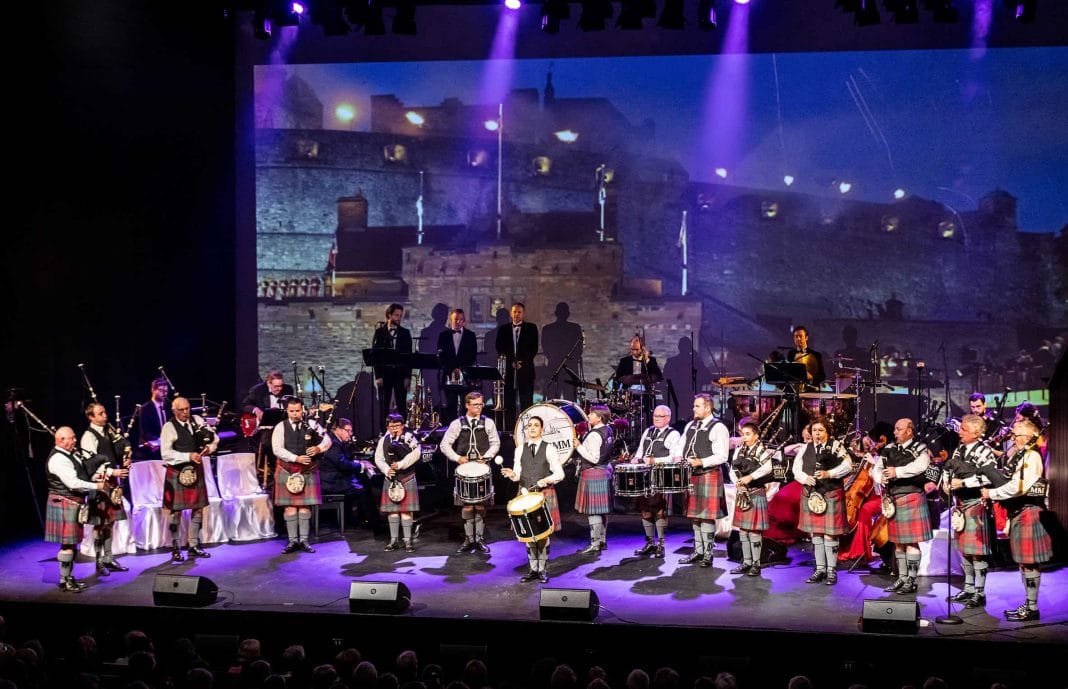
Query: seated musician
(821,466)
(472,438)
(270,394)
(751,471)
(899,469)
(184,442)
(657,444)
(594,496)
(342,473)
(396,454)
(537,466)
(705,445)
(297,442)
(639,362)
(802,353)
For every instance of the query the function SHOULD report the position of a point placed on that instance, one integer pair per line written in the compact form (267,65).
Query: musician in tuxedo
(517,341)
(342,473)
(813,360)
(154,413)
(656,445)
(396,454)
(269,394)
(110,451)
(537,466)
(392,381)
(297,443)
(705,446)
(70,480)
(472,438)
(457,349)
(184,442)
(751,471)
(639,362)
(994,424)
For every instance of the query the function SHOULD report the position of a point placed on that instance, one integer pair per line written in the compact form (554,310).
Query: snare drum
(632,480)
(560,418)
(474,483)
(530,517)
(671,477)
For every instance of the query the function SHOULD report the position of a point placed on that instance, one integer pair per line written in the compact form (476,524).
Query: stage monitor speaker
(568,604)
(183,591)
(379,597)
(890,617)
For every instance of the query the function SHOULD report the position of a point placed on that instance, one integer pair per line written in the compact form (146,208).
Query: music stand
(785,373)
(481,373)
(404,360)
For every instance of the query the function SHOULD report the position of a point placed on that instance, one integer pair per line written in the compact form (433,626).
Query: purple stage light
(513,4)
(742,2)
(298,8)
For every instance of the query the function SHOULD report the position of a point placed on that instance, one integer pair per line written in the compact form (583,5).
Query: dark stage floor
(444,584)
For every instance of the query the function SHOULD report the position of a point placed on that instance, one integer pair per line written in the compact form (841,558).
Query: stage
(632,590)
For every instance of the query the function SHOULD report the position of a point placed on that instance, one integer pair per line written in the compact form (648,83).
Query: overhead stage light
(513,4)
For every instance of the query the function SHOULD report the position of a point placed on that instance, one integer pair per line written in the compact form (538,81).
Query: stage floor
(444,584)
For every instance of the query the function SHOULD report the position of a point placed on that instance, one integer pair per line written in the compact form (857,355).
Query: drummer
(594,496)
(538,466)
(638,371)
(472,438)
(657,444)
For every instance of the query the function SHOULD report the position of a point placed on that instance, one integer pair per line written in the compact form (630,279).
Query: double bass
(858,493)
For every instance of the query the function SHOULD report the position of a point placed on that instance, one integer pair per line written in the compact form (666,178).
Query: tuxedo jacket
(452,358)
(381,340)
(818,375)
(626,368)
(259,396)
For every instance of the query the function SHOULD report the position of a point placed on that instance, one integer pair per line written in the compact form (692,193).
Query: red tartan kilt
(975,539)
(594,494)
(103,511)
(756,517)
(311,495)
(177,497)
(830,523)
(1028,540)
(553,505)
(61,521)
(409,504)
(706,499)
(912,522)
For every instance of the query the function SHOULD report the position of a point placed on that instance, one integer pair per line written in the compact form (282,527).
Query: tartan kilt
(1028,540)
(594,494)
(101,509)
(410,503)
(177,497)
(975,539)
(756,517)
(706,498)
(61,521)
(553,505)
(311,495)
(830,523)
(912,522)
(654,503)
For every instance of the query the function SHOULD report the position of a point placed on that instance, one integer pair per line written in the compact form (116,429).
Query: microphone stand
(949,617)
(945,369)
(25,464)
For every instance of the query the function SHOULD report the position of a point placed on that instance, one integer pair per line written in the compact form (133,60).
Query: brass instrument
(498,391)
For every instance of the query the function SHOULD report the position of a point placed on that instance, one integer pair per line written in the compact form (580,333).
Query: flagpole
(419,211)
(500,163)
(682,243)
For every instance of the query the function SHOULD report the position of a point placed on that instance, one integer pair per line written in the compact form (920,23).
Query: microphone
(82,366)
(823,407)
(321,368)
(292,363)
(752,405)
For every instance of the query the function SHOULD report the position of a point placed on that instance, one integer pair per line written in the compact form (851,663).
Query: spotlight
(1024,11)
(904,11)
(844,187)
(261,25)
(594,13)
(721,172)
(671,17)
(286,13)
(404,19)
(706,15)
(513,4)
(899,193)
(788,180)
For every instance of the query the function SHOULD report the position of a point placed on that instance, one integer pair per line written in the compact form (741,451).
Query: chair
(150,522)
(122,540)
(246,508)
(336,502)
(213,526)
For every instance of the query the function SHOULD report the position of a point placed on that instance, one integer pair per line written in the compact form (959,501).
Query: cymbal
(822,395)
(583,384)
(756,393)
(839,357)
(728,380)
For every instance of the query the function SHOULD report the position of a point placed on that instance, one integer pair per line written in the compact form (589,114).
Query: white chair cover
(213,526)
(150,521)
(934,553)
(122,540)
(723,526)
(247,509)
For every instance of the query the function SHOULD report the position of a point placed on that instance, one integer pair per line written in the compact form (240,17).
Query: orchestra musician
(101,439)
(594,496)
(392,381)
(657,444)
(751,471)
(900,470)
(457,349)
(639,362)
(70,480)
(965,478)
(271,393)
(977,406)
(705,446)
(184,441)
(1024,496)
(154,413)
(472,438)
(802,353)
(395,455)
(537,466)
(517,342)
(821,466)
(297,442)
(342,473)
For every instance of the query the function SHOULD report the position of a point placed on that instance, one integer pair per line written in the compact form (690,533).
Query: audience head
(725,680)
(665,678)
(935,683)
(365,676)
(407,666)
(637,679)
(563,677)
(323,676)
(799,682)
(476,675)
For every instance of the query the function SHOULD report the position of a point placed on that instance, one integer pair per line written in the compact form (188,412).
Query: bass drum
(561,420)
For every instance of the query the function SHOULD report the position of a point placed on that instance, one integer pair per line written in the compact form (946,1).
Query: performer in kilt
(70,479)
(184,441)
(111,454)
(537,466)
(964,477)
(657,444)
(594,496)
(1024,497)
(296,442)
(820,466)
(705,446)
(751,468)
(472,438)
(899,469)
(395,455)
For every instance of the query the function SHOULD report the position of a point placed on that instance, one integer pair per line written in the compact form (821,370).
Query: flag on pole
(682,245)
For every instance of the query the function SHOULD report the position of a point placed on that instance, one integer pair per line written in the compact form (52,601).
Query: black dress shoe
(197,551)
(409,547)
(962,597)
(1021,614)
(741,569)
(101,570)
(648,549)
(692,559)
(908,587)
(176,555)
(543,577)
(894,587)
(978,600)
(291,547)
(466,547)
(754,571)
(116,567)
(817,576)
(481,546)
(391,546)
(705,561)
(591,549)
(303,545)
(70,586)
(529,577)
(832,578)
(659,552)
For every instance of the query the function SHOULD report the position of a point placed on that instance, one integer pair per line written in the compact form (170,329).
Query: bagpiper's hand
(195,457)
(303,459)
(126,463)
(930,487)
(890,473)
(313,450)
(956,483)
(810,481)
(985,492)
(462,460)
(121,473)
(101,485)
(391,473)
